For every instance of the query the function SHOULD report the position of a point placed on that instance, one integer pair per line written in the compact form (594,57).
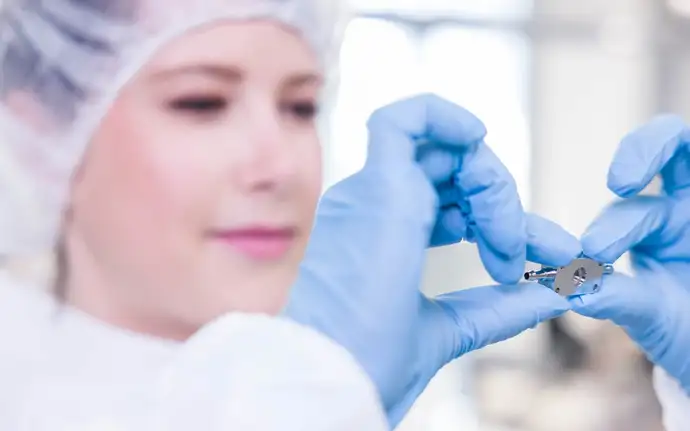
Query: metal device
(580,276)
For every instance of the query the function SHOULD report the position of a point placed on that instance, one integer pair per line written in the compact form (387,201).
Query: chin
(266,294)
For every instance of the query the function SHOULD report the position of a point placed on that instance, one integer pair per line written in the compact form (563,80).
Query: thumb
(396,130)
(460,322)
(471,319)
(626,301)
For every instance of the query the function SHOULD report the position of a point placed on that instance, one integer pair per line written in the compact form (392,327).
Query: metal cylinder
(608,268)
(546,272)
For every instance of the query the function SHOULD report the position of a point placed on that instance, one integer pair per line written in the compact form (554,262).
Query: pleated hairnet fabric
(70,58)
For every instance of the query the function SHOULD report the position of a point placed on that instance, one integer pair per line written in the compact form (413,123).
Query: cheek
(311,185)
(314,179)
(135,187)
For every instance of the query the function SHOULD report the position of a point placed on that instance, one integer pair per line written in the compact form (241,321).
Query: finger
(489,187)
(501,269)
(547,243)
(396,129)
(438,164)
(645,306)
(474,318)
(550,244)
(449,195)
(496,213)
(646,152)
(624,300)
(450,228)
(625,225)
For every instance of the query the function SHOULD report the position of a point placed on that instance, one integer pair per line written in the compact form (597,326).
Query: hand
(429,180)
(653,306)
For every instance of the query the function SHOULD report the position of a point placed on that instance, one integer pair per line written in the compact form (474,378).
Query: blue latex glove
(654,305)
(359,282)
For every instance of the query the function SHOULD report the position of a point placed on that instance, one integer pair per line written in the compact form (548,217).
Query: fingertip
(624,182)
(495,202)
(453,221)
(503,228)
(503,270)
(437,164)
(643,152)
(624,225)
(506,275)
(619,299)
(452,124)
(550,244)
(396,128)
(598,245)
(605,253)
(381,117)
(477,131)
(450,228)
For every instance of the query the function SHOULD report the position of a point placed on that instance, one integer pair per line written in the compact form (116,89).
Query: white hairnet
(73,56)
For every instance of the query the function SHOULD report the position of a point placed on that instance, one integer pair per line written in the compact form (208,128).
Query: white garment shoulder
(62,370)
(264,373)
(674,401)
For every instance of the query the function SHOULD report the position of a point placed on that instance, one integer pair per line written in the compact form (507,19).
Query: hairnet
(72,57)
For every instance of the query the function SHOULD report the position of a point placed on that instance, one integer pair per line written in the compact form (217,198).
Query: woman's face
(197,194)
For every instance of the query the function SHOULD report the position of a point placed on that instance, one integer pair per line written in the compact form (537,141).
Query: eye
(301,110)
(199,105)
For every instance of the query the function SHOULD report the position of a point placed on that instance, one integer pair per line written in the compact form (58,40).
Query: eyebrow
(232,74)
(303,78)
(219,72)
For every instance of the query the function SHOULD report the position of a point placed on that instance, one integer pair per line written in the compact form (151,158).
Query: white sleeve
(674,401)
(252,372)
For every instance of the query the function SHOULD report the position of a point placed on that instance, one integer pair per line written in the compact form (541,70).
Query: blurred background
(557,83)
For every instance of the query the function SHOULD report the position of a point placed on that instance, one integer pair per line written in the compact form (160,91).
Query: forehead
(70,52)
(72,56)
(263,44)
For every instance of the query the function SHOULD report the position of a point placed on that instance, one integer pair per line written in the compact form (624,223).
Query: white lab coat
(674,401)
(63,370)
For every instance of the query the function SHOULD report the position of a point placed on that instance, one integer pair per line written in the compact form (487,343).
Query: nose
(271,158)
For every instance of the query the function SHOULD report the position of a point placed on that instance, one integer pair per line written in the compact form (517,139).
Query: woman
(143,177)
(202,169)
(170,157)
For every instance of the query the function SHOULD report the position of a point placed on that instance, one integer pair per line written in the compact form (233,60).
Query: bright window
(483,70)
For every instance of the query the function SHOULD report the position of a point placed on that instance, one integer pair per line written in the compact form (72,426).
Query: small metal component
(582,275)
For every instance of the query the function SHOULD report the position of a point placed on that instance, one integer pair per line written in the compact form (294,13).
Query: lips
(258,243)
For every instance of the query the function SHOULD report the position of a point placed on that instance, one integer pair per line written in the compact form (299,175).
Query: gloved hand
(653,306)
(359,282)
